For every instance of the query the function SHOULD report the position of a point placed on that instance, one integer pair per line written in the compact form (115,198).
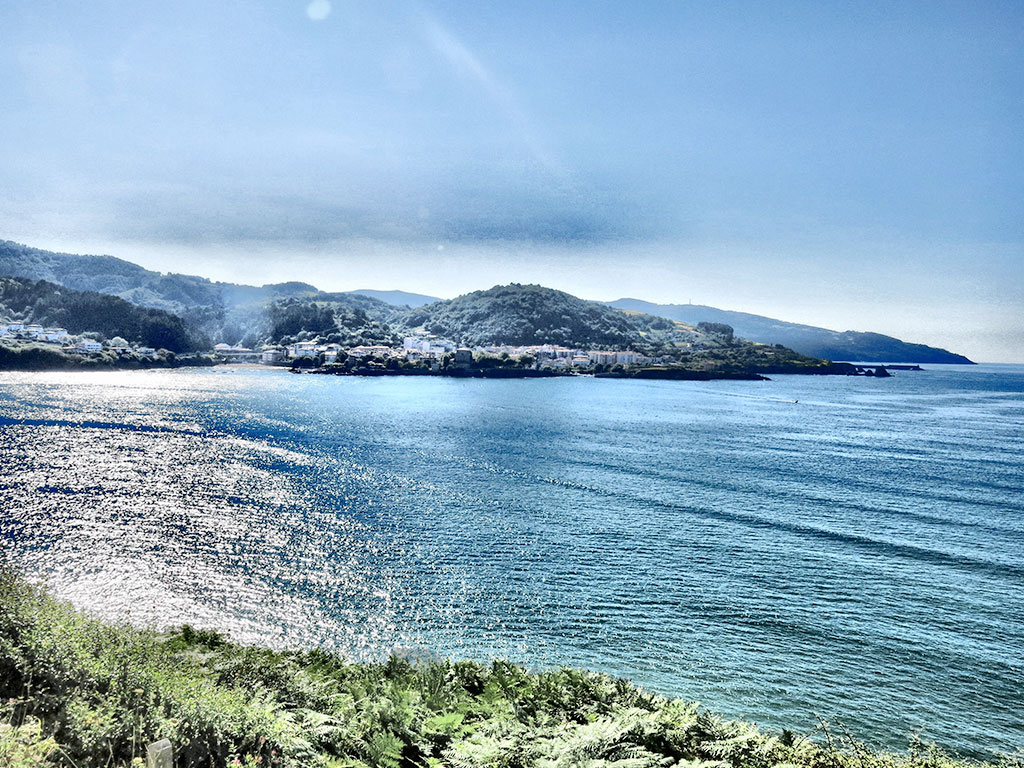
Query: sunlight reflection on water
(859,554)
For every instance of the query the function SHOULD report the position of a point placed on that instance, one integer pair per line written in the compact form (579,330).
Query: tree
(716,329)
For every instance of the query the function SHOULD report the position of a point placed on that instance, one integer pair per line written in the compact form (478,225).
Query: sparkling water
(845,547)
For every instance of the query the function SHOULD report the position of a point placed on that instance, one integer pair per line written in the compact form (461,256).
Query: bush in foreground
(80,692)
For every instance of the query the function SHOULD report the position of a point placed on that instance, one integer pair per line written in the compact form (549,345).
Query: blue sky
(852,165)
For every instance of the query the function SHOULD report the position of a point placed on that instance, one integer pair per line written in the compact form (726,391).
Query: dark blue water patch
(104,425)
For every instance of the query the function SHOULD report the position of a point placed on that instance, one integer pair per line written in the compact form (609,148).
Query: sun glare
(318,10)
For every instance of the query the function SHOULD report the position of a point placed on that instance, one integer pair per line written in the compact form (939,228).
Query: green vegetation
(80,311)
(340,321)
(718,329)
(232,313)
(18,355)
(81,692)
(531,314)
(225,312)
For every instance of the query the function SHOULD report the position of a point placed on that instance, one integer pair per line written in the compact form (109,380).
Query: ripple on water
(858,555)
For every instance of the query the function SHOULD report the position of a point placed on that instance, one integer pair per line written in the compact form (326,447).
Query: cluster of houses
(32,331)
(83,346)
(555,356)
(430,348)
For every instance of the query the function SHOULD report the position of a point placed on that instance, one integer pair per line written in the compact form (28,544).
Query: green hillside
(531,314)
(49,304)
(224,312)
(503,315)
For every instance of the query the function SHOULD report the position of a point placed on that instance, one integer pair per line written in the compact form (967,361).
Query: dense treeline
(48,304)
(719,329)
(531,314)
(107,274)
(79,692)
(334,322)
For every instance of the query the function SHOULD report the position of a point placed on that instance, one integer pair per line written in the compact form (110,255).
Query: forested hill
(532,314)
(48,304)
(851,346)
(176,292)
(226,312)
(107,274)
(247,314)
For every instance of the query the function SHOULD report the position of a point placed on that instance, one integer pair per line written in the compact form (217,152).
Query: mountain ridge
(234,312)
(849,346)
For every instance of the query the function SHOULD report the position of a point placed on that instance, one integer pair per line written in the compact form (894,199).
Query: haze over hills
(108,274)
(236,313)
(398,298)
(849,346)
(226,312)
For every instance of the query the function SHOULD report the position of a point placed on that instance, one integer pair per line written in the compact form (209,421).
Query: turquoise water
(857,555)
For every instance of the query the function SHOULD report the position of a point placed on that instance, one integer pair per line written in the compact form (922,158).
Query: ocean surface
(845,547)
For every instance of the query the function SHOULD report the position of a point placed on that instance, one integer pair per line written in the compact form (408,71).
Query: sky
(850,165)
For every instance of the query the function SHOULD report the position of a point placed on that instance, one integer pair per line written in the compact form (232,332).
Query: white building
(302,349)
(236,354)
(273,355)
(88,345)
(427,346)
(54,334)
(370,351)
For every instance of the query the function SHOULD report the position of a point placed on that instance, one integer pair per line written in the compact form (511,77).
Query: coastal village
(81,344)
(432,350)
(423,348)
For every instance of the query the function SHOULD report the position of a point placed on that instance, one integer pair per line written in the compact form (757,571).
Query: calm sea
(844,547)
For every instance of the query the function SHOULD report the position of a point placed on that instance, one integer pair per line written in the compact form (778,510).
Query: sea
(809,548)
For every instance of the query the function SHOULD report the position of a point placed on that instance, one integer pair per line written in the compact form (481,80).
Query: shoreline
(647,373)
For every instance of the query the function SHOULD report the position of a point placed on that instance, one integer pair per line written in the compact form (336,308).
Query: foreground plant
(87,693)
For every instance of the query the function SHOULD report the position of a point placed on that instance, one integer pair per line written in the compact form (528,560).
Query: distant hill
(48,304)
(228,312)
(107,274)
(247,314)
(532,314)
(850,346)
(398,298)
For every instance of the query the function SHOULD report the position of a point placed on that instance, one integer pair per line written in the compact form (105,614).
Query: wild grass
(80,692)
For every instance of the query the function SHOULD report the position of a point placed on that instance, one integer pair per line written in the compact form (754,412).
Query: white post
(160,755)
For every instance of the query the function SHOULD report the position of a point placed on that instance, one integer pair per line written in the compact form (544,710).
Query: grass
(75,691)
